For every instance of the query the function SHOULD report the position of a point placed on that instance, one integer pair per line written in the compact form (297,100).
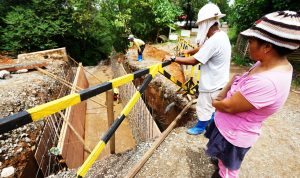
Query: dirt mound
(6,60)
(153,55)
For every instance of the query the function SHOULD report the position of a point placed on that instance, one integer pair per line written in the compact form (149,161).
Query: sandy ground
(277,152)
(96,121)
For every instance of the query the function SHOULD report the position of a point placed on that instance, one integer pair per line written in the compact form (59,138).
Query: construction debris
(23,65)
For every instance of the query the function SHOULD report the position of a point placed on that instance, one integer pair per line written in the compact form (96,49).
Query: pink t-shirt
(267,92)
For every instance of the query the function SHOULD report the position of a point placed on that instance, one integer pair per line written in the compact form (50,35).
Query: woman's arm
(235,104)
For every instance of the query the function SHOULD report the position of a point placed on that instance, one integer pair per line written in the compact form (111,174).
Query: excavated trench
(160,99)
(155,99)
(161,96)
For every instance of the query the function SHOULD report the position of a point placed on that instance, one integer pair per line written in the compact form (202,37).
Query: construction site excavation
(121,118)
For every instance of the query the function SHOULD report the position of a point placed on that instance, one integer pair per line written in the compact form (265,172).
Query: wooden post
(110,117)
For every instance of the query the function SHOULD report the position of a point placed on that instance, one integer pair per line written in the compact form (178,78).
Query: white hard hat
(130,36)
(209,11)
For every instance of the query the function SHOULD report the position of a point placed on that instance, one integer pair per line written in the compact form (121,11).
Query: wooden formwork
(72,149)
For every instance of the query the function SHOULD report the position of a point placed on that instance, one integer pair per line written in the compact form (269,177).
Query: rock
(33,148)
(4,74)
(27,140)
(19,150)
(24,135)
(8,172)
(21,71)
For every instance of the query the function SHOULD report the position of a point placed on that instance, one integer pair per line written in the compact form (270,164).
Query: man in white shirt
(214,56)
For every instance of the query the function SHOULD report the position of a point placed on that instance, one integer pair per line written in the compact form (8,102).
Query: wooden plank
(24,65)
(57,54)
(72,150)
(110,118)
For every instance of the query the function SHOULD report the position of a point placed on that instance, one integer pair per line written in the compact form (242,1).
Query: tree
(90,38)
(245,12)
(224,7)
(194,4)
(88,28)
(33,26)
(144,19)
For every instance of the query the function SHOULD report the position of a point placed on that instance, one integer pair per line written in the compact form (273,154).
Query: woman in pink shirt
(249,99)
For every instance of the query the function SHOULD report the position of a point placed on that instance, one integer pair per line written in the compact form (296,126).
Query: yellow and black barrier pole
(34,114)
(174,80)
(198,79)
(100,146)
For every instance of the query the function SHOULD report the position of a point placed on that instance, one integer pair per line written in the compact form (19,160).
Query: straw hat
(280,28)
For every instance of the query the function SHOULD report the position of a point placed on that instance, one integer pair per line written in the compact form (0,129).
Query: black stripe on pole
(14,121)
(140,73)
(95,90)
(113,128)
(119,120)
(145,84)
(166,74)
(179,83)
(166,63)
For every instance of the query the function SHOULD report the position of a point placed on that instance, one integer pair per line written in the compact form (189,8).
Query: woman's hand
(224,91)
(233,78)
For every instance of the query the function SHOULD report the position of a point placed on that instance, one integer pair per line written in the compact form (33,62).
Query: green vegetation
(244,13)
(232,34)
(89,29)
(238,59)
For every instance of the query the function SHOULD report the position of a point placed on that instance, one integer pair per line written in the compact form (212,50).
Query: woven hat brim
(255,33)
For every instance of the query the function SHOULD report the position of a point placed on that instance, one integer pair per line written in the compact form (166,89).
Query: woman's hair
(281,51)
